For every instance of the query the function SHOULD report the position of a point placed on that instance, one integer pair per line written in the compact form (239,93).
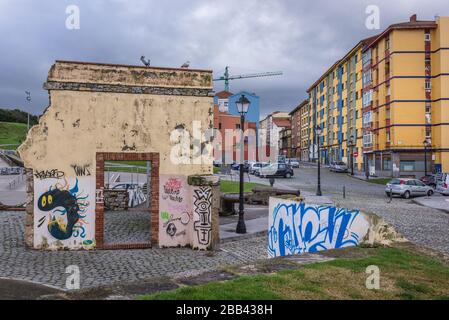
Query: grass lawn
(404,274)
(382,181)
(12,133)
(233,186)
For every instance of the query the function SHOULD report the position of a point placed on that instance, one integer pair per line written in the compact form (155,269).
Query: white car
(407,188)
(293,163)
(256,166)
(443,185)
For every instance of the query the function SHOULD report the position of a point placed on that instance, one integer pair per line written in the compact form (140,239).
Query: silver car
(443,185)
(407,188)
(338,166)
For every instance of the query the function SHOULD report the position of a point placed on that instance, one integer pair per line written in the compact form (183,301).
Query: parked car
(257,169)
(235,166)
(430,180)
(443,185)
(294,163)
(407,188)
(257,165)
(276,170)
(338,166)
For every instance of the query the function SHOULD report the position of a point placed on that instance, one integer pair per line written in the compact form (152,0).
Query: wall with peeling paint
(115,108)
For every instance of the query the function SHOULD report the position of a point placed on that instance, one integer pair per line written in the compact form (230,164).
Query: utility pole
(28,98)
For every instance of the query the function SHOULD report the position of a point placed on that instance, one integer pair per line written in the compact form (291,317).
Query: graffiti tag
(297,228)
(81,171)
(172,190)
(49,174)
(202,207)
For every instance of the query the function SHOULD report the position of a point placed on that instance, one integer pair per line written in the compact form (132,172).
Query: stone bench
(257,196)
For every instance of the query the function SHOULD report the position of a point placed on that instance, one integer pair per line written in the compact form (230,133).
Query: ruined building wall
(106,108)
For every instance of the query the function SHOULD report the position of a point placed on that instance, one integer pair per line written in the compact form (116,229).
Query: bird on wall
(186,65)
(145,62)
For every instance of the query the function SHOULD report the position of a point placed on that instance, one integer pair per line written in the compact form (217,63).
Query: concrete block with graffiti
(298,227)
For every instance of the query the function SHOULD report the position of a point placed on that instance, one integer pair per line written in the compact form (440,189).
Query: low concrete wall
(296,227)
(116,200)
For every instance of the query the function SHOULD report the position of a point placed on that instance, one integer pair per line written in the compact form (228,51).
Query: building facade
(285,142)
(385,103)
(406,99)
(229,144)
(300,131)
(272,125)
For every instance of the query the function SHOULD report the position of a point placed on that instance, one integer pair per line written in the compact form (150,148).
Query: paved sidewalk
(435,202)
(102,267)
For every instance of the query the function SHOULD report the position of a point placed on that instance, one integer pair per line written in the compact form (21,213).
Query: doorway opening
(127,200)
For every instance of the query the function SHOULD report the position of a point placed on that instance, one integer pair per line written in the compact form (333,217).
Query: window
(407,165)
(367,77)
(428,85)
(219,125)
(386,164)
(388,137)
(387,44)
(367,98)
(427,36)
(428,107)
(237,126)
(367,139)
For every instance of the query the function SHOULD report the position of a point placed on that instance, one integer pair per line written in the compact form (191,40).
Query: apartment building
(272,125)
(336,107)
(385,103)
(300,118)
(406,99)
(285,142)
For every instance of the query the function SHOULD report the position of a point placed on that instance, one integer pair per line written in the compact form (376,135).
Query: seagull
(145,62)
(186,65)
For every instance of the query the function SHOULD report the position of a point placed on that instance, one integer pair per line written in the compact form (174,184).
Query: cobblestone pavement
(422,225)
(109,267)
(122,227)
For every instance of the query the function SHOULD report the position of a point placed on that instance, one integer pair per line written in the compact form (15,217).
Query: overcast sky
(300,38)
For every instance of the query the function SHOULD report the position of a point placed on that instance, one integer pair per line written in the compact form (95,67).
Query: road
(421,225)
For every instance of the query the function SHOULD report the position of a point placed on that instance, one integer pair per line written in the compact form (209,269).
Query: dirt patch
(207,277)
(117,292)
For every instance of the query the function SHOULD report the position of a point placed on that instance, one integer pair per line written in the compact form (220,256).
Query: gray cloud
(301,38)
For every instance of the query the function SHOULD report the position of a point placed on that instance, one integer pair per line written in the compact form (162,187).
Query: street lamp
(242,106)
(318,132)
(426,144)
(351,145)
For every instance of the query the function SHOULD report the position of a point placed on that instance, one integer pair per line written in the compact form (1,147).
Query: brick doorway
(152,210)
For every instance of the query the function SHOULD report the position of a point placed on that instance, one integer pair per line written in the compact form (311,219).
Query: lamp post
(351,142)
(426,144)
(242,106)
(318,135)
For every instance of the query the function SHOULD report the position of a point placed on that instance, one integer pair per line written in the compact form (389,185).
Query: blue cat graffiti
(296,228)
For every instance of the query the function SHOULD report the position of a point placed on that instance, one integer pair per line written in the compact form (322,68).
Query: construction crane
(226,77)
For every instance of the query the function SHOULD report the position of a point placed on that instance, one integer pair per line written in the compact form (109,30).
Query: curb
(244,237)
(422,205)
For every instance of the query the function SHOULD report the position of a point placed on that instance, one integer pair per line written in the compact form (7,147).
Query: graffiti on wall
(64,212)
(48,174)
(81,171)
(175,217)
(202,208)
(172,190)
(296,228)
